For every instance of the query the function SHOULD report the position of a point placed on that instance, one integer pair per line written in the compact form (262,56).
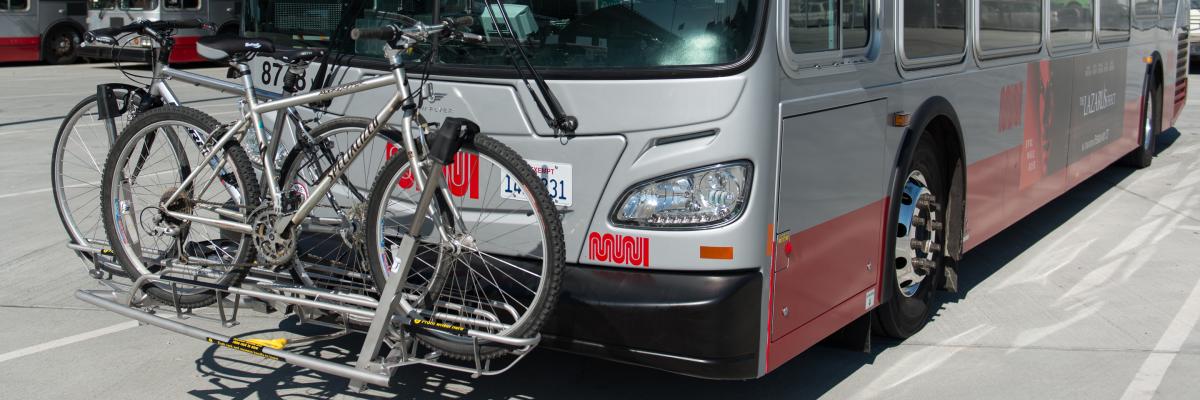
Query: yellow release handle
(276,344)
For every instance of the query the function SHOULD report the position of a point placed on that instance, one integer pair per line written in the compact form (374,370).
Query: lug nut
(922,264)
(918,245)
(918,221)
(935,225)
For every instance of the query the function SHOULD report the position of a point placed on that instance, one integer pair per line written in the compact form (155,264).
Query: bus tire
(60,46)
(1149,127)
(914,274)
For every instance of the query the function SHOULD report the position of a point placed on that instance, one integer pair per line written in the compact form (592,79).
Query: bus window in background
(1006,25)
(181,4)
(14,5)
(137,5)
(1114,20)
(934,28)
(102,4)
(1070,22)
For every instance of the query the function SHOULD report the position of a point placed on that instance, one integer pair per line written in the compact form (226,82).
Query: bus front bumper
(703,324)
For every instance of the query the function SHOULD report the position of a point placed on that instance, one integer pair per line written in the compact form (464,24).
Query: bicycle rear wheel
(501,268)
(143,169)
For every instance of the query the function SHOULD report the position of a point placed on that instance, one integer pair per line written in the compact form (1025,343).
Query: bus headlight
(702,197)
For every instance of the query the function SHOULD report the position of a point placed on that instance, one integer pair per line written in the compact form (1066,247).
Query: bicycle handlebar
(391,32)
(108,35)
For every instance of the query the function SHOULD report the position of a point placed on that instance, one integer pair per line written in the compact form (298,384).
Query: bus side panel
(830,210)
(20,38)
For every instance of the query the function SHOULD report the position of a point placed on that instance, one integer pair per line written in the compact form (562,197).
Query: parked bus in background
(750,177)
(41,30)
(223,14)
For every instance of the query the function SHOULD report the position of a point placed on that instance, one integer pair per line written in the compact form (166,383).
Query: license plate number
(556,177)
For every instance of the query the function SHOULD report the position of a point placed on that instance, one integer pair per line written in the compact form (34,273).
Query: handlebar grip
(195,23)
(472,38)
(387,32)
(104,35)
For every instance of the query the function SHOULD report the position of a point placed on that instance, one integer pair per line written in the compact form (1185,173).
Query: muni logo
(462,177)
(631,250)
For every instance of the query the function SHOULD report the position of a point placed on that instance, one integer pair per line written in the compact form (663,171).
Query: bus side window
(1011,26)
(821,25)
(1145,13)
(1070,22)
(1114,20)
(182,4)
(934,28)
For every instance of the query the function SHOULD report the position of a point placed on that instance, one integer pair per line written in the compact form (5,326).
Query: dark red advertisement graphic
(1035,151)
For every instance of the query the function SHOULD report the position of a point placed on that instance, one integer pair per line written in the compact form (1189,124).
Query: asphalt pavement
(1095,296)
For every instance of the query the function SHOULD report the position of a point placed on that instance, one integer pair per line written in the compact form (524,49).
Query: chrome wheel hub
(918,245)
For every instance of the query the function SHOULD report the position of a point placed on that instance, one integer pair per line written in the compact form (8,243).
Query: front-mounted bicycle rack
(385,326)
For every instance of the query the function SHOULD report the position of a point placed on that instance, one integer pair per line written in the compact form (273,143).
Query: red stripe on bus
(185,50)
(20,49)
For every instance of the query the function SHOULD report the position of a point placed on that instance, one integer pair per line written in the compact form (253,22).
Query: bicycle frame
(399,99)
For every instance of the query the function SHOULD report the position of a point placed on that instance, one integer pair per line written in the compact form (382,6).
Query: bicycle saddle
(222,47)
(297,56)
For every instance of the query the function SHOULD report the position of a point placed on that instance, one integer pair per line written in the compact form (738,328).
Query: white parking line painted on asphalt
(1150,375)
(67,341)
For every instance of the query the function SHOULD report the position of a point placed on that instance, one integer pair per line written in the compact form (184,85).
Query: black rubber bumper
(700,324)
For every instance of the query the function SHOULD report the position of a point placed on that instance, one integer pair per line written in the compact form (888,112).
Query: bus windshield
(554,33)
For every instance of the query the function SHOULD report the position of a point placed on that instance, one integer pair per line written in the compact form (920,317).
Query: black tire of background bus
(250,192)
(461,347)
(1143,155)
(49,55)
(56,181)
(900,317)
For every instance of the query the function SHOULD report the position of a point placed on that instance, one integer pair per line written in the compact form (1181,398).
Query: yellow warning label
(244,346)
(438,325)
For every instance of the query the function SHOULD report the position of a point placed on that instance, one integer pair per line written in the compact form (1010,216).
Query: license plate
(556,177)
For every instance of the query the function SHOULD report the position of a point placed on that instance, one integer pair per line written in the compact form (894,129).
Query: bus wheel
(60,46)
(1148,129)
(919,239)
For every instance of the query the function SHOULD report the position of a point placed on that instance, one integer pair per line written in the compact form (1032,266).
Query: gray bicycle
(462,265)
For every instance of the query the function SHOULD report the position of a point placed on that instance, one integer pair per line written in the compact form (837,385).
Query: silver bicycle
(92,126)
(459,264)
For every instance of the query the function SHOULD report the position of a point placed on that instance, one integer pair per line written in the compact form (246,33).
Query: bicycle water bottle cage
(450,137)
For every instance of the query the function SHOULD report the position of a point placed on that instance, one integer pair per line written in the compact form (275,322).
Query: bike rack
(354,310)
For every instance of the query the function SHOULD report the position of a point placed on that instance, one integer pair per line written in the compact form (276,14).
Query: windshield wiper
(555,116)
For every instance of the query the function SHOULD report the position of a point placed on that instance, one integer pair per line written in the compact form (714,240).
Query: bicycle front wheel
(495,268)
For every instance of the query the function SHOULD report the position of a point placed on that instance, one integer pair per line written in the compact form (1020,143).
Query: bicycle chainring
(274,247)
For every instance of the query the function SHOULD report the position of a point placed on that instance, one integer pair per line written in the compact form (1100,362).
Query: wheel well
(935,117)
(72,25)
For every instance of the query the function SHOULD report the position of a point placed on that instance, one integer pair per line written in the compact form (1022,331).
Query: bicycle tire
(71,205)
(460,346)
(244,174)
